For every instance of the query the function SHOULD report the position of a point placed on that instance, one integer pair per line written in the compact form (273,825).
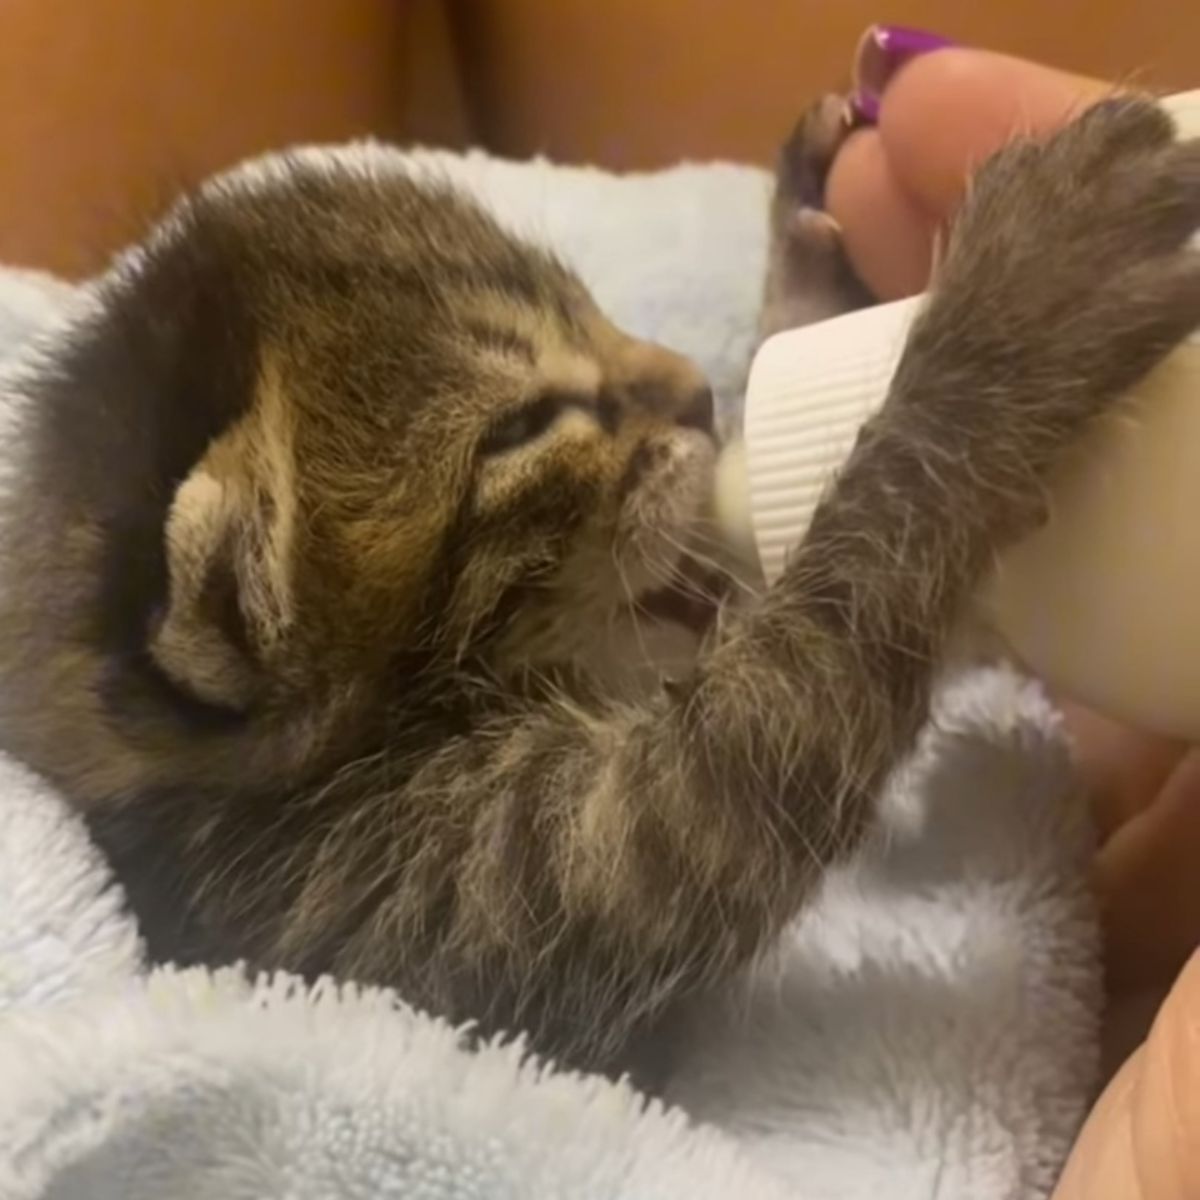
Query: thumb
(941,116)
(945,113)
(1142,1140)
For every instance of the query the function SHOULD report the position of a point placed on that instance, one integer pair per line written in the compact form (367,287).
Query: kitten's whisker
(631,604)
(715,565)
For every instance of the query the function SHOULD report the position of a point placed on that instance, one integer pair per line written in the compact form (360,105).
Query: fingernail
(881,52)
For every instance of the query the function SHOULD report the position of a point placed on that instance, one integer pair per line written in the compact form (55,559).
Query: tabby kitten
(319,509)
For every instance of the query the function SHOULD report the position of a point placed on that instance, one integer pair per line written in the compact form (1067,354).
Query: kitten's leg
(615,858)
(809,277)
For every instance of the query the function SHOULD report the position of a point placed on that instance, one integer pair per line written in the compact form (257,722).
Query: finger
(1145,877)
(888,239)
(1166,1099)
(1101,1166)
(944,113)
(1142,1140)
(1123,770)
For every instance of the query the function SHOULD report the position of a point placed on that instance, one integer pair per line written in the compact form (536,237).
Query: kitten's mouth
(691,599)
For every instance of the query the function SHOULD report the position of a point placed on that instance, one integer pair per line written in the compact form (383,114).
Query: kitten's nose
(697,411)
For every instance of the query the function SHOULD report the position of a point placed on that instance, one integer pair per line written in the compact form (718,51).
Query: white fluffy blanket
(928,1029)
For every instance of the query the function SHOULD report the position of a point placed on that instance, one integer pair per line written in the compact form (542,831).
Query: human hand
(895,183)
(891,188)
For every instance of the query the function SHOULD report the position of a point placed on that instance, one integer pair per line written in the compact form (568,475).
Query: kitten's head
(335,423)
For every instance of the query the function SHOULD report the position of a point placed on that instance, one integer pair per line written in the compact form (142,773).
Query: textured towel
(928,1029)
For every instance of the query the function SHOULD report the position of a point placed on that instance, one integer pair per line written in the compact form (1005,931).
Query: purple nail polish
(881,52)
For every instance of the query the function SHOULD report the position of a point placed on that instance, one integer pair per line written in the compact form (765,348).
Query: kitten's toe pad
(813,233)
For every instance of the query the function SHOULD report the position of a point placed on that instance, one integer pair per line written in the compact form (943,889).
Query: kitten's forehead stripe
(502,339)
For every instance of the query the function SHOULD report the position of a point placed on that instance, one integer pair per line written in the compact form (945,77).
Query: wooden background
(107,106)
(634,83)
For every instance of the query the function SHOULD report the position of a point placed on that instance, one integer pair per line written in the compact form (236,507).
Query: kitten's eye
(529,423)
(521,426)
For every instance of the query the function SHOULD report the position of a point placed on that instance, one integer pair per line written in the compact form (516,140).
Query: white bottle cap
(1101,602)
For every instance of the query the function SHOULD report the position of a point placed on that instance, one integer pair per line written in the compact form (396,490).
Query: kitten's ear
(229,535)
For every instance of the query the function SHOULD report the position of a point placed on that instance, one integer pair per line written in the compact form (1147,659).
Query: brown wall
(107,105)
(643,82)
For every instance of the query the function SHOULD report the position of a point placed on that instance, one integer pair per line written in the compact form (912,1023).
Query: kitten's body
(321,511)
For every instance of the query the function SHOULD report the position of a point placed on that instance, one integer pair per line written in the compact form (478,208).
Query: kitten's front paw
(809,276)
(1071,257)
(808,153)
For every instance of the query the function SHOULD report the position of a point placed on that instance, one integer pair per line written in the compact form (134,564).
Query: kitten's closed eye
(531,421)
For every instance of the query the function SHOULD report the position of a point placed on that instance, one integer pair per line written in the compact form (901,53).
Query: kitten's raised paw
(1075,252)
(809,277)
(808,153)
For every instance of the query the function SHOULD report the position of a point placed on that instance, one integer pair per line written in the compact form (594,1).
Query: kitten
(316,514)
